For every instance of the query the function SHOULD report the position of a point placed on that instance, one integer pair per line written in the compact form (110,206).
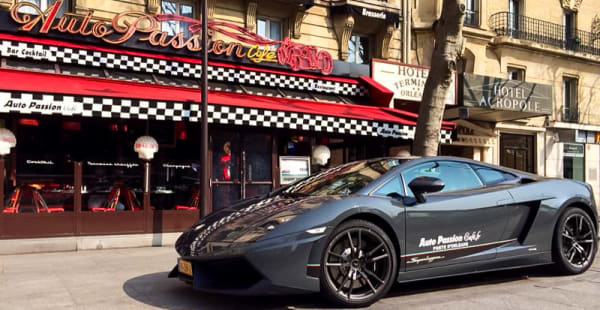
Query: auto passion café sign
(506,95)
(131,26)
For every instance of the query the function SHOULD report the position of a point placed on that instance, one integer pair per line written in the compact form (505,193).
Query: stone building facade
(539,43)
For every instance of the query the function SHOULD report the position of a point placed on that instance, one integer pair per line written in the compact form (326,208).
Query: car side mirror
(422,185)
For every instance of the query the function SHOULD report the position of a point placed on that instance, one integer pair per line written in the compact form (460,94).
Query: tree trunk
(447,51)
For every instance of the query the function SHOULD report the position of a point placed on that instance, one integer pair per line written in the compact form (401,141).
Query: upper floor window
(570,29)
(358,49)
(515,74)
(471,17)
(182,8)
(514,10)
(570,99)
(269,28)
(44,4)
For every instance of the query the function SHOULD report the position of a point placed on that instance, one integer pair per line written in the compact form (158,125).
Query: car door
(462,223)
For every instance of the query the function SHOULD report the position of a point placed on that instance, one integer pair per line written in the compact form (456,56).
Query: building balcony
(543,32)
(570,116)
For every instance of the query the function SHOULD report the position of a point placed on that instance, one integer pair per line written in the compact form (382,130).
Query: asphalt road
(137,279)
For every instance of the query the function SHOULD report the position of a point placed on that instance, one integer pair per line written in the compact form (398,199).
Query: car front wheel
(359,264)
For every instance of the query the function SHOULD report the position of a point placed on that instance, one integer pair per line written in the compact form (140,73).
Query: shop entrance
(517,152)
(241,166)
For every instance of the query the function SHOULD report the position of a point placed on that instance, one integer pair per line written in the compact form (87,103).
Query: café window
(112,174)
(358,49)
(183,8)
(176,167)
(269,28)
(40,179)
(515,74)
(44,4)
(569,108)
(574,161)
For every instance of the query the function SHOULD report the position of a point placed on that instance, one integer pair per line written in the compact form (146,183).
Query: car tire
(358,264)
(575,242)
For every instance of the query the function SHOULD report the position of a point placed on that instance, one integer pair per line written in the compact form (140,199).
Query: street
(136,278)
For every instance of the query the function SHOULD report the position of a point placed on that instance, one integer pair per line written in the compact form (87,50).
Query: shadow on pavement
(157,290)
(465,281)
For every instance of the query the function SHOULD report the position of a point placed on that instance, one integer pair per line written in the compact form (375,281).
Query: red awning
(380,94)
(37,82)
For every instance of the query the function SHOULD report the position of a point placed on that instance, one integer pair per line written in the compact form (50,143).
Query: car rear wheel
(358,265)
(575,242)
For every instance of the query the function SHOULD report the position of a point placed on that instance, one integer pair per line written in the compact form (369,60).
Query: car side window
(456,176)
(491,176)
(392,186)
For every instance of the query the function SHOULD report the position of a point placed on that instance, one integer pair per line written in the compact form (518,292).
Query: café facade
(77,94)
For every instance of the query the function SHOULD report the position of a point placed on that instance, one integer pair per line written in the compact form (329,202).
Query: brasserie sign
(507,95)
(131,25)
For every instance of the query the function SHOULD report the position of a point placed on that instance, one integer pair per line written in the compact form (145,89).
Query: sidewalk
(137,279)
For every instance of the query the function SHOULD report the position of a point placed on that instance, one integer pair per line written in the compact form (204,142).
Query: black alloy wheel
(575,242)
(359,264)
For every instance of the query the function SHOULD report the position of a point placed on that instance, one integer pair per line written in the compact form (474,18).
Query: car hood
(243,222)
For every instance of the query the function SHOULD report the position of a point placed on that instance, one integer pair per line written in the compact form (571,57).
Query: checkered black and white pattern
(108,60)
(105,107)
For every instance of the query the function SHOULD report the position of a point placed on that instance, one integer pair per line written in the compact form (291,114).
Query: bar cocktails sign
(128,25)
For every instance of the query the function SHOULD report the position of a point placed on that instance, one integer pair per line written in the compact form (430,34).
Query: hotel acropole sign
(131,25)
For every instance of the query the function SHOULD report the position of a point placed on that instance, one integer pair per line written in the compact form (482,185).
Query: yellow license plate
(185,267)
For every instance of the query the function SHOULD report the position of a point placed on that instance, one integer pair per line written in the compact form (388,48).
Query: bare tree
(446,53)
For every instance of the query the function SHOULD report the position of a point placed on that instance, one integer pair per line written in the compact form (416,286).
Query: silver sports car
(349,232)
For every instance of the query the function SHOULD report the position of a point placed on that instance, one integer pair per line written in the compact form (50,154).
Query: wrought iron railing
(535,30)
(471,18)
(570,116)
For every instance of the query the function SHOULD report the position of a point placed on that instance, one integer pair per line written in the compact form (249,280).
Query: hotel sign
(506,95)
(407,81)
(130,25)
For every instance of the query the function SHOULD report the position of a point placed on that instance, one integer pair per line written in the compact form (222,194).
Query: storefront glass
(40,168)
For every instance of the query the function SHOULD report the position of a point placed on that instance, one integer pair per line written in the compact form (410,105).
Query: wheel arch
(578,203)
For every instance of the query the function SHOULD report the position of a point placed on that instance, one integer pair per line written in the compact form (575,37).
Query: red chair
(130,201)
(110,204)
(194,201)
(12,205)
(37,202)
(41,205)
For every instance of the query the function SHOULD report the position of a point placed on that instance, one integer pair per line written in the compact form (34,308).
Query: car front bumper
(273,266)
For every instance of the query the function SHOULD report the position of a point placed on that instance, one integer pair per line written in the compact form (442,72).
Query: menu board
(293,168)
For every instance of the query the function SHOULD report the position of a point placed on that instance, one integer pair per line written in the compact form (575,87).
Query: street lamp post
(204,130)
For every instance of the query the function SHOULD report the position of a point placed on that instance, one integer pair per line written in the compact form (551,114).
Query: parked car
(351,231)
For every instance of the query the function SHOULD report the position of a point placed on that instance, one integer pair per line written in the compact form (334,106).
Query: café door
(241,166)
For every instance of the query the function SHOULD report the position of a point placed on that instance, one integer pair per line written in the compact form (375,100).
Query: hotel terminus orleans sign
(144,27)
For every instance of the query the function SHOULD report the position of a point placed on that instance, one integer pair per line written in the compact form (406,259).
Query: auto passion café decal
(130,25)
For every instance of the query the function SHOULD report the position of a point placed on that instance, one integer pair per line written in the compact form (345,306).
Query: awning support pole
(205,193)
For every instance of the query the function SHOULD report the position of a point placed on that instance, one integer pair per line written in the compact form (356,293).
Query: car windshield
(342,180)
